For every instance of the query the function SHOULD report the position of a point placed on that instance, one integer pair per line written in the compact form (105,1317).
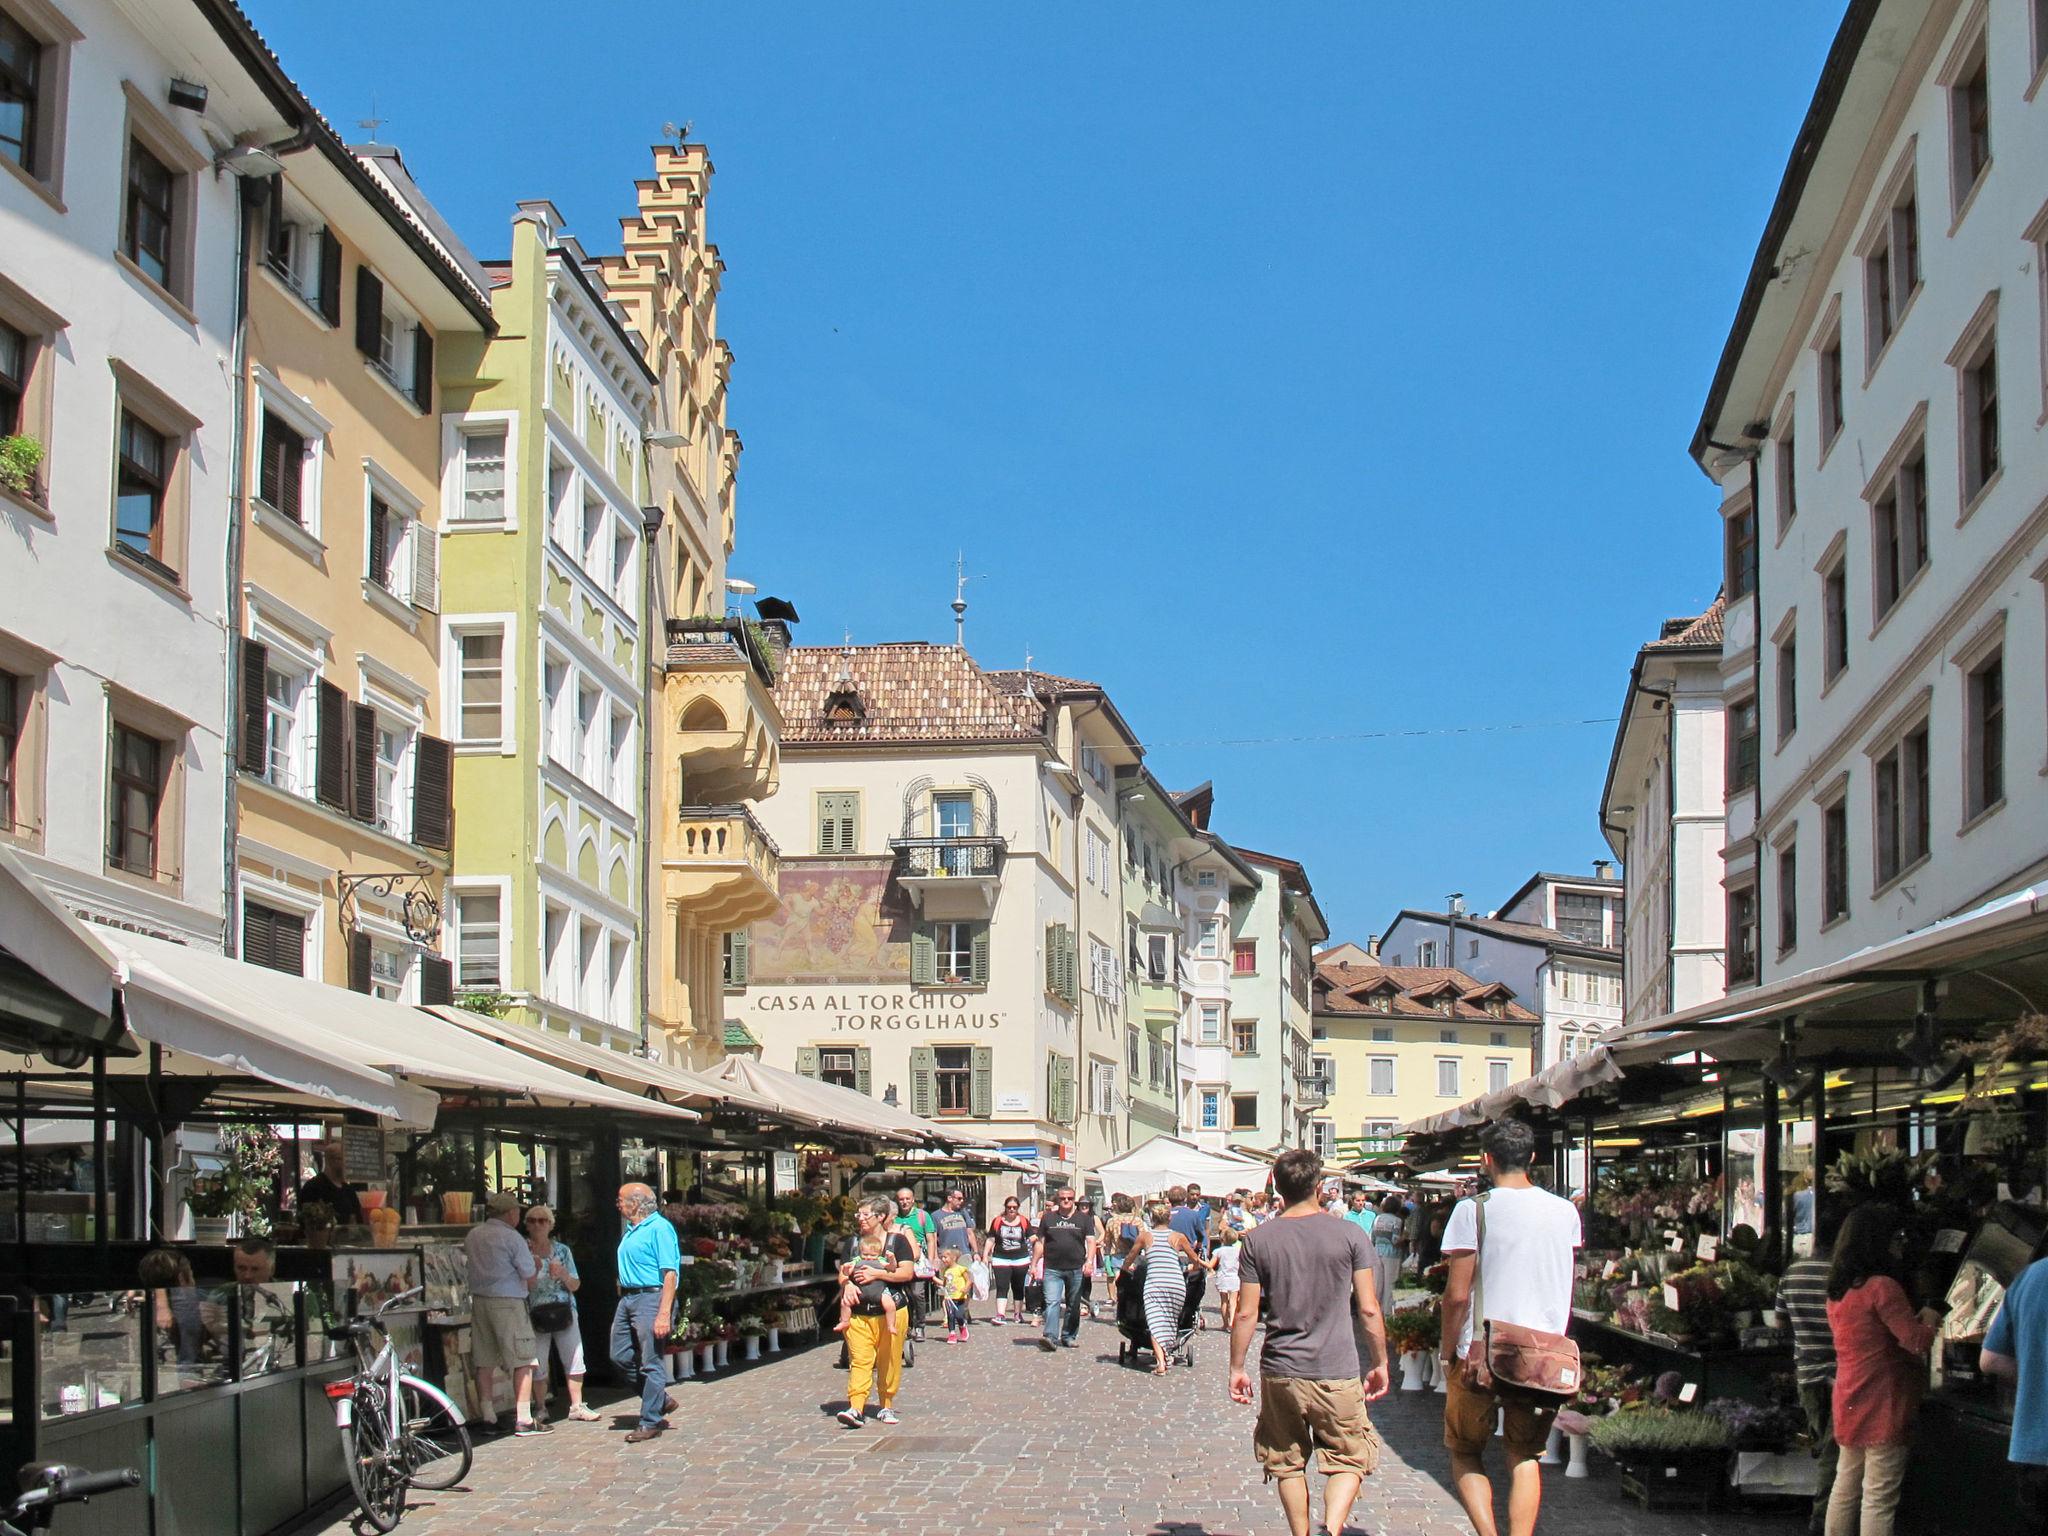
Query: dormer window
(843,708)
(1497,1008)
(1382,1002)
(1443,1006)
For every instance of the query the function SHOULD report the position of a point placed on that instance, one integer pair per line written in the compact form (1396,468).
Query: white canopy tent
(1164,1161)
(833,1107)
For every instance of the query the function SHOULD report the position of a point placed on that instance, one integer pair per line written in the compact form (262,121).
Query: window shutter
(736,970)
(331,772)
(981,1095)
(258,936)
(267,490)
(863,1070)
(423,370)
(807,1061)
(426,568)
(379,541)
(1063,1089)
(924,959)
(924,1064)
(1073,965)
(330,277)
(251,749)
(363,741)
(433,801)
(291,474)
(978,971)
(273,221)
(828,824)
(369,314)
(359,962)
(437,980)
(1052,957)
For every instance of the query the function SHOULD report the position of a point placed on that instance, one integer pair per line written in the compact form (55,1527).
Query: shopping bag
(979,1277)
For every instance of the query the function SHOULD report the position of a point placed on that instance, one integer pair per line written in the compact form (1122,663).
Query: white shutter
(426,567)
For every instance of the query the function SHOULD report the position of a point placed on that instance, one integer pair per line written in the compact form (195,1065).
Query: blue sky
(1300,373)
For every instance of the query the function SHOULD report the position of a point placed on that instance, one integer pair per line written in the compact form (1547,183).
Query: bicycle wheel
(375,1472)
(437,1452)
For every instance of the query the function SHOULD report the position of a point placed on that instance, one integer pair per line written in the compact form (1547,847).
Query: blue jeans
(634,1351)
(1060,1285)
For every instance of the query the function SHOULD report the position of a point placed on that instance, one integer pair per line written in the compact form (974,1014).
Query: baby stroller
(1130,1315)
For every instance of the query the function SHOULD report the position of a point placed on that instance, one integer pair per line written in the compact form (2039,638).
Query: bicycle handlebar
(418,1290)
(58,1484)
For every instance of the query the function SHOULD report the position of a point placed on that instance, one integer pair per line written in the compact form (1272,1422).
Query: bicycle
(397,1431)
(47,1484)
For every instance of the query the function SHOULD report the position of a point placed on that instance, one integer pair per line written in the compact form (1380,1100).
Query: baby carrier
(1130,1314)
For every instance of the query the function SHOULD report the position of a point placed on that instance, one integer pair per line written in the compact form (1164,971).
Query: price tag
(1677,1243)
(1608,1271)
(1949,1240)
(1671,1299)
(1709,1248)
(1688,1392)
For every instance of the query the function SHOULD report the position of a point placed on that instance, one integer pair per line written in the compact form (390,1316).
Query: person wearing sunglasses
(557,1332)
(1009,1259)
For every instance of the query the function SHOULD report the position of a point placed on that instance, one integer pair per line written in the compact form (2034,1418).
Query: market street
(996,1438)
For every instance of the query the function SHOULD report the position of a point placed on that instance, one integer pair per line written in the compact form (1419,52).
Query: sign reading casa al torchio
(883,1010)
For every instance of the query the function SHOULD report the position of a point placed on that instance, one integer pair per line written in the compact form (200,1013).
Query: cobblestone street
(997,1437)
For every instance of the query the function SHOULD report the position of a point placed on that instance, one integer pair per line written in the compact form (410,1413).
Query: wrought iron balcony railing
(937,857)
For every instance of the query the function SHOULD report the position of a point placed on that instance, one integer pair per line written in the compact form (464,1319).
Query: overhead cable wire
(1385,735)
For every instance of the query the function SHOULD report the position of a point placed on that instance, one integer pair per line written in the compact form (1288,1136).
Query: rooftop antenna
(373,122)
(960,600)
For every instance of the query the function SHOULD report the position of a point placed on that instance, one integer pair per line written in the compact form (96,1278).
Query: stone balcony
(722,727)
(719,868)
(950,877)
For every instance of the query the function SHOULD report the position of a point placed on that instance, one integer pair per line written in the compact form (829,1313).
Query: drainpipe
(650,717)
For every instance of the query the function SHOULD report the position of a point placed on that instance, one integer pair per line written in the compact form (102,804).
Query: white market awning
(1157,1165)
(837,1108)
(40,934)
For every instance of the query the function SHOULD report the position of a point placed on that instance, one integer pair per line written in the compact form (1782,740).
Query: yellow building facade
(713,729)
(342,810)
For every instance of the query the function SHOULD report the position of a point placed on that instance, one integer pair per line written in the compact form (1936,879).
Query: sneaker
(584,1413)
(887,1416)
(534,1427)
(850,1418)
(1047,1344)
(1070,1344)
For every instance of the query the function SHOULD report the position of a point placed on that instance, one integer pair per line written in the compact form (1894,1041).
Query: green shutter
(978,974)
(1063,1089)
(828,825)
(1052,1087)
(924,959)
(807,1061)
(924,1063)
(736,965)
(863,1070)
(838,815)
(1073,964)
(981,1094)
(1052,957)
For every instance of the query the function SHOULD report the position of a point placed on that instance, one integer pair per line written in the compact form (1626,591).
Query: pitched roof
(909,691)
(1523,933)
(1345,988)
(1702,633)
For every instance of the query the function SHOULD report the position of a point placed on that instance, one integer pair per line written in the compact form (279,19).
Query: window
(1496,1076)
(1158,958)
(1834,849)
(1786,464)
(1101,859)
(1244,1111)
(1380,1076)
(554,684)
(1969,127)
(1323,1074)
(1834,618)
(1786,676)
(1446,1036)
(1831,388)
(15,355)
(1205,879)
(1244,957)
(733,959)
(394,775)
(1581,917)
(479,928)
(1741,934)
(1898,531)
(148,216)
(135,800)
(1899,801)
(840,1068)
(1447,1077)
(304,255)
(1322,1138)
(1742,745)
(1497,1038)
(281,465)
(1101,1086)
(621,757)
(1212,1109)
(1788,897)
(1428,953)
(482,472)
(1244,1037)
(1979,399)
(390,551)
(1212,1024)
(953,1079)
(1208,945)
(1131,1051)
(1103,980)
(1984,739)
(838,818)
(273,939)
(1567,983)
(481,706)
(287,759)
(1740,530)
(390,968)
(141,486)
(14,695)
(21,94)
(1891,270)
(949,954)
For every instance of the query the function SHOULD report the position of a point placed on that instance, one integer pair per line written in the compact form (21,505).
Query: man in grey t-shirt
(1317,1279)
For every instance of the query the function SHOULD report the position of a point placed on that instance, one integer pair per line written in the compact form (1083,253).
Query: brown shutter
(437,981)
(257,934)
(330,277)
(359,961)
(266,462)
(380,535)
(331,772)
(423,370)
(250,750)
(291,472)
(363,744)
(433,806)
(369,313)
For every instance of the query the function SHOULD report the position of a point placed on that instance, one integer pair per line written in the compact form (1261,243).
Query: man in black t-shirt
(331,1185)
(1066,1244)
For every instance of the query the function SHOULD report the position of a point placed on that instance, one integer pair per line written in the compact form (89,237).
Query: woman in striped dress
(1167,1255)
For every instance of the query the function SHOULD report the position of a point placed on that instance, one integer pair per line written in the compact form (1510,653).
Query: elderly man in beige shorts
(502,1271)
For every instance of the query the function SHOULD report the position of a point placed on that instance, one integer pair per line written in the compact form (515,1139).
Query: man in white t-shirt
(1531,1235)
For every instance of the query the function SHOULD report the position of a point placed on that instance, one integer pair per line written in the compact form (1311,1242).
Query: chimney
(1457,903)
(1603,869)
(1372,946)
(776,633)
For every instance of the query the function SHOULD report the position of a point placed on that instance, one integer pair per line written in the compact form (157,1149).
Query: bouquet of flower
(1758,1426)
(778,1247)
(1436,1278)
(704,1248)
(1414,1330)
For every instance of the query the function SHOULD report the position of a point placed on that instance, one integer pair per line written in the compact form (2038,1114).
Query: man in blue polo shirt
(2017,1349)
(649,1260)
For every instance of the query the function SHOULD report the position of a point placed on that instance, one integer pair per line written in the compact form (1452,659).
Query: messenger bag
(1528,1359)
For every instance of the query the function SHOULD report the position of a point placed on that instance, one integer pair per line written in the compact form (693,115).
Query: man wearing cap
(650,1258)
(502,1271)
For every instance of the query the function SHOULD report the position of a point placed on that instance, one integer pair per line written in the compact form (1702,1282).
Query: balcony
(719,869)
(950,877)
(722,727)
(1311,1091)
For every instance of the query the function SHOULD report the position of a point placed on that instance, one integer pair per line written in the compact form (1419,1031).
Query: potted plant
(1412,1332)
(1664,1451)
(232,1200)
(20,457)
(752,1331)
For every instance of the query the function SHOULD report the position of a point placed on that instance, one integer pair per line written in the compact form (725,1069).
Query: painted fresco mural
(840,921)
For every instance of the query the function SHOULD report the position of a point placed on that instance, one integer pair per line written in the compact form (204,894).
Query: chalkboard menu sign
(363,1151)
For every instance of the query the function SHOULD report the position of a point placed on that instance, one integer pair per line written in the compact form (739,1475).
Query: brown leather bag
(1527,1359)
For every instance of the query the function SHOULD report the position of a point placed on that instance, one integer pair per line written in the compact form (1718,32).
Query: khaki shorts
(500,1332)
(1297,1416)
(1469,1413)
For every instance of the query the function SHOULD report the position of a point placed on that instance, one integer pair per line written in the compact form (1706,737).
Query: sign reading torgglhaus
(907,1009)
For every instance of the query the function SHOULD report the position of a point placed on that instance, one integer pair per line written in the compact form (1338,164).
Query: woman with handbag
(552,1306)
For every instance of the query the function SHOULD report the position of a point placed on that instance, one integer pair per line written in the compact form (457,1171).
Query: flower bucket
(1553,1448)
(1443,1381)
(774,1341)
(707,1359)
(1413,1368)
(1578,1466)
(751,1347)
(679,1364)
(770,1272)
(722,1353)
(212,1229)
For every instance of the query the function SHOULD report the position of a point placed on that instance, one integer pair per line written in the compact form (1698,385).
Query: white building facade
(1874,427)
(1663,813)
